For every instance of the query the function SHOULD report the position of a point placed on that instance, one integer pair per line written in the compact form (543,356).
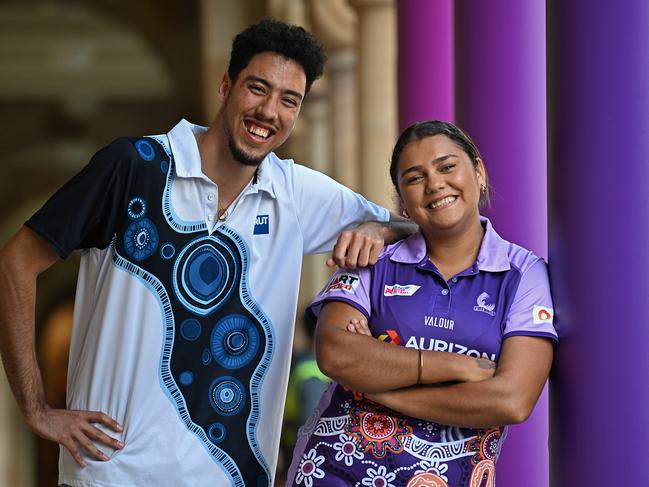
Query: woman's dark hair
(422,130)
(290,41)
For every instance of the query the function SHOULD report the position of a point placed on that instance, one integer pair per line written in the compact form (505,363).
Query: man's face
(261,107)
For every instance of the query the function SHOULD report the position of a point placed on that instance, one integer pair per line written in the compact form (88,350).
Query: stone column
(501,103)
(220,21)
(316,114)
(377,95)
(425,61)
(335,23)
(598,120)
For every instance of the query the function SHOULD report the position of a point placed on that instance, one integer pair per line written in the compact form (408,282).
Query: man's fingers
(90,447)
(353,251)
(340,249)
(364,254)
(72,447)
(374,254)
(100,436)
(99,417)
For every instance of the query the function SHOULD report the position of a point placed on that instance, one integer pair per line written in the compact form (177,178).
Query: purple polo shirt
(407,302)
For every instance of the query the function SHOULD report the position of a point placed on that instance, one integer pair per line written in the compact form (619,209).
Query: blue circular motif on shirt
(167,251)
(145,149)
(206,358)
(186,378)
(205,274)
(136,208)
(190,329)
(141,239)
(234,341)
(164,166)
(216,432)
(227,396)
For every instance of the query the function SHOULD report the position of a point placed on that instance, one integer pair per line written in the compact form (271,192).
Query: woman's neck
(454,252)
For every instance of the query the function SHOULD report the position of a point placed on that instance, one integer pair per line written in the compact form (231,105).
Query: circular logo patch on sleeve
(542,314)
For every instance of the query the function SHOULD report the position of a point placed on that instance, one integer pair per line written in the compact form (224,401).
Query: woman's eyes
(446,167)
(414,179)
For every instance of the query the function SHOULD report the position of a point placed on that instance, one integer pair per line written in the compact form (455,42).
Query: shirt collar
(492,256)
(493,250)
(184,147)
(182,139)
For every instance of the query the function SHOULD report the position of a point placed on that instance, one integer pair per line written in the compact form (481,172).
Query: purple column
(500,102)
(598,120)
(425,30)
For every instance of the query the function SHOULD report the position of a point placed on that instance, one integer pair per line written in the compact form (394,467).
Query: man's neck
(217,163)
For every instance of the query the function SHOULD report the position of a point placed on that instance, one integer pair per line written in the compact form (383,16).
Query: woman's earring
(405,214)
(483,188)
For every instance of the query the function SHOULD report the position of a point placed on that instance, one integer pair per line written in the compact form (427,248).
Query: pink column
(501,101)
(425,30)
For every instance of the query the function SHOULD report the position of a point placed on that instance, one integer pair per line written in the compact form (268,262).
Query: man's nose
(267,109)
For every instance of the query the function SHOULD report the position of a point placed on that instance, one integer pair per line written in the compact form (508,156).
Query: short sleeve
(351,287)
(83,213)
(531,312)
(326,208)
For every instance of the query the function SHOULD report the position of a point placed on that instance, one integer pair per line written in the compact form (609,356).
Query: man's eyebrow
(267,84)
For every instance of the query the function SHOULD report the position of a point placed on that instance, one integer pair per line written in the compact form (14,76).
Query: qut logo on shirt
(261,225)
(343,282)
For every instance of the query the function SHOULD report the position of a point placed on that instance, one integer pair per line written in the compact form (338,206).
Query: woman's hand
(359,326)
(479,369)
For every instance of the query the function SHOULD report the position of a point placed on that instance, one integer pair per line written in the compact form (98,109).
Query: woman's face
(438,185)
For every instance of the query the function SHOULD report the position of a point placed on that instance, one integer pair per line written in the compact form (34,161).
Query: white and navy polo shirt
(407,302)
(183,323)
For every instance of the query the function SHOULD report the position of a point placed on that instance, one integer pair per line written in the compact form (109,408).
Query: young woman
(438,346)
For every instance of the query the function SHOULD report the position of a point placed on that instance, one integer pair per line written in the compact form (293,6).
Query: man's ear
(224,87)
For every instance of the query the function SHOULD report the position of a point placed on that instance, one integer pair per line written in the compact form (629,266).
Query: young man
(192,244)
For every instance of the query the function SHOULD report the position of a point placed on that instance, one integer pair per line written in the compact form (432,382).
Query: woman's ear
(481,173)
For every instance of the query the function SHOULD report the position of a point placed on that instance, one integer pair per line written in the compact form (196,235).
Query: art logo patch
(400,290)
(343,282)
(485,305)
(542,314)
(261,225)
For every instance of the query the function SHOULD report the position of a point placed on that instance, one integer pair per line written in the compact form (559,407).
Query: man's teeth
(259,131)
(442,202)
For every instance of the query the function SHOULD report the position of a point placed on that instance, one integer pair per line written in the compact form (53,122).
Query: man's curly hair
(290,41)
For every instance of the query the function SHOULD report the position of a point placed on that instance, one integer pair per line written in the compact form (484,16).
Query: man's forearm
(17,347)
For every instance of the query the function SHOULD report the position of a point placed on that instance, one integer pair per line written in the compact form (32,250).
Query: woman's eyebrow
(437,160)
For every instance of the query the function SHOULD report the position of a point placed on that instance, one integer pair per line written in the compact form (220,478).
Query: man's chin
(244,158)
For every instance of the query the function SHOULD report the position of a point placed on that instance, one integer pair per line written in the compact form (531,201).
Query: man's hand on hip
(76,430)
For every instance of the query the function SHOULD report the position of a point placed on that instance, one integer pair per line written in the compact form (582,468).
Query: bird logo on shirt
(484,305)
